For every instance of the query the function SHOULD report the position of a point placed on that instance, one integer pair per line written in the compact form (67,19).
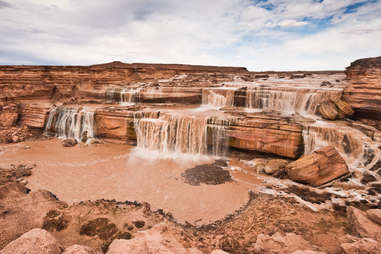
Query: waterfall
(287,102)
(218,97)
(218,140)
(123,96)
(178,133)
(357,149)
(72,123)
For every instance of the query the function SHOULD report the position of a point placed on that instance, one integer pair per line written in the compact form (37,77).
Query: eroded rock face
(35,241)
(320,167)
(364,89)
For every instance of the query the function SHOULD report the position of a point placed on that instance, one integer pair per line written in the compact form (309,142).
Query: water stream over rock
(71,123)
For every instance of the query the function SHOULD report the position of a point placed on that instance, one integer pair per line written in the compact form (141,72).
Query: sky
(257,34)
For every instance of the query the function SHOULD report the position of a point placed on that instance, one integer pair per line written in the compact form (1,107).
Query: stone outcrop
(320,167)
(268,134)
(364,89)
(35,241)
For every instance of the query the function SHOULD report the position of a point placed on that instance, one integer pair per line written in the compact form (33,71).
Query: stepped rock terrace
(194,141)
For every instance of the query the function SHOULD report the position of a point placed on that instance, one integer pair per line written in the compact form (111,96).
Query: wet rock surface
(211,174)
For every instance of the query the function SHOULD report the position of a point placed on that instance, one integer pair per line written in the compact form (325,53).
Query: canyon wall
(364,89)
(47,82)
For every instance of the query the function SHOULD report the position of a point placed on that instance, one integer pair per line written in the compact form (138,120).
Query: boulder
(320,167)
(364,226)
(328,110)
(69,142)
(360,246)
(155,240)
(33,242)
(281,244)
(275,166)
(80,249)
(258,164)
(374,215)
(344,107)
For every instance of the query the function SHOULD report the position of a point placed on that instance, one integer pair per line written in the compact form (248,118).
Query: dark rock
(100,227)
(207,174)
(367,178)
(139,223)
(69,142)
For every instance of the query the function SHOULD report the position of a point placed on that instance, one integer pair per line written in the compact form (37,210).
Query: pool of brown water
(122,172)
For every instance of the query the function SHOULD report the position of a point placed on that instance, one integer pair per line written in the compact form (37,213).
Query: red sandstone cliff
(364,89)
(45,82)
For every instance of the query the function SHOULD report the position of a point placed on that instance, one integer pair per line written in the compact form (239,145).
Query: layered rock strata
(320,167)
(364,89)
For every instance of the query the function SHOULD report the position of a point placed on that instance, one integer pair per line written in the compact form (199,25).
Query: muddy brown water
(122,172)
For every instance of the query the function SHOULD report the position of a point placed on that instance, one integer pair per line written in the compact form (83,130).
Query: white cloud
(221,32)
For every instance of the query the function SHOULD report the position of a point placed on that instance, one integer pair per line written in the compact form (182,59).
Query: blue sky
(258,34)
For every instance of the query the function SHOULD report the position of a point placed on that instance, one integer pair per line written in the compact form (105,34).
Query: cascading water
(72,123)
(218,97)
(285,101)
(179,133)
(358,150)
(124,96)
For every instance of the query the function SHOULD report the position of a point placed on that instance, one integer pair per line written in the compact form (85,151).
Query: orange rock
(364,90)
(8,119)
(267,134)
(35,115)
(320,167)
(328,110)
